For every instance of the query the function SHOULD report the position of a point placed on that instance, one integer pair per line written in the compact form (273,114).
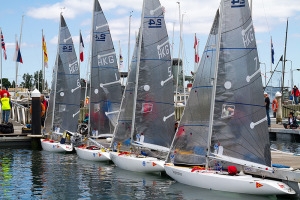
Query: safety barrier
(20,113)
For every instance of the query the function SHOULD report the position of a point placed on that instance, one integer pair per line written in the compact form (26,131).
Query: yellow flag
(45,52)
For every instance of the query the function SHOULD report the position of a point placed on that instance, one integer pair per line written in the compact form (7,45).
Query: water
(32,174)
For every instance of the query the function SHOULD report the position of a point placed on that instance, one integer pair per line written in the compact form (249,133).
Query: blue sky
(269,17)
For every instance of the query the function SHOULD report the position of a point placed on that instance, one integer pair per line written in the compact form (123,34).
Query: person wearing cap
(295,93)
(292,122)
(267,104)
(5,106)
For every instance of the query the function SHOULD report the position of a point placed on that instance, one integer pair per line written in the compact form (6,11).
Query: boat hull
(210,179)
(92,155)
(55,146)
(131,162)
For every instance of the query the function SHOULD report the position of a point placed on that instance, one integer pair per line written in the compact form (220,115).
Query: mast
(284,56)
(137,73)
(129,26)
(176,95)
(214,88)
(55,71)
(43,65)
(181,50)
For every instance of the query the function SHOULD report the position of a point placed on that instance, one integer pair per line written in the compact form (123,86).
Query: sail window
(62,108)
(227,110)
(147,107)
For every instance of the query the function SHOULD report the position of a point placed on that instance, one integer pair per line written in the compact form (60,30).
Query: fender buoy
(274,105)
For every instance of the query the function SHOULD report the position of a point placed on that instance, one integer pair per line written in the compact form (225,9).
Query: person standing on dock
(5,106)
(295,93)
(45,103)
(274,107)
(267,104)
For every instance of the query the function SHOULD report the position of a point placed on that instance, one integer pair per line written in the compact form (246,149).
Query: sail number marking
(154,23)
(100,37)
(237,3)
(73,67)
(248,35)
(106,59)
(67,48)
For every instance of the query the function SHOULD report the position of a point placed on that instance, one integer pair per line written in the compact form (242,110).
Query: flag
(272,52)
(18,56)
(45,52)
(197,58)
(81,48)
(3,46)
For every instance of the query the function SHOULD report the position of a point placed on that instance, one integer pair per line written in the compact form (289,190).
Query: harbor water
(33,174)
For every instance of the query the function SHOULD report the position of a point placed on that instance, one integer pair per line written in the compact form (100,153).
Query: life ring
(274,105)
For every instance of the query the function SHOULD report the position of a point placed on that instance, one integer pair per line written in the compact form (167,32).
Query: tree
(13,84)
(27,81)
(6,83)
(38,80)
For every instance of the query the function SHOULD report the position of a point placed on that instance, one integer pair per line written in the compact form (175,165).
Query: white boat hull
(133,163)
(92,155)
(55,146)
(209,179)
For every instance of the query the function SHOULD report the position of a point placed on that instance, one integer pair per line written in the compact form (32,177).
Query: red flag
(81,48)
(3,46)
(197,58)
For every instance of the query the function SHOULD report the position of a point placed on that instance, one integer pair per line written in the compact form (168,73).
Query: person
(274,107)
(267,104)
(43,114)
(295,93)
(45,103)
(4,91)
(5,105)
(292,122)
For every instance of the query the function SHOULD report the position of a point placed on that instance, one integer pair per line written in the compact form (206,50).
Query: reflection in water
(27,174)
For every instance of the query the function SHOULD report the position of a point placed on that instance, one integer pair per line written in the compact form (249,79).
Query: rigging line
(266,17)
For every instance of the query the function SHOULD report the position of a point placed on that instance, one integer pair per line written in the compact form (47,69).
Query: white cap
(265,93)
(278,94)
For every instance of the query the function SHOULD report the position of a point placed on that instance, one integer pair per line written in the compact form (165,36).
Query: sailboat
(145,126)
(224,125)
(105,94)
(64,103)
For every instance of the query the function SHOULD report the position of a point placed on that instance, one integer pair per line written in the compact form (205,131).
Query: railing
(20,113)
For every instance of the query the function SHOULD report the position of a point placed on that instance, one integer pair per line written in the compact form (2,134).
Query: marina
(98,138)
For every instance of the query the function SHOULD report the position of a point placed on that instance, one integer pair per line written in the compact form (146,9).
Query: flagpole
(19,46)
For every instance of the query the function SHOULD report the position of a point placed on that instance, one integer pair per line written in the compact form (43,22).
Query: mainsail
(64,103)
(105,96)
(122,132)
(154,105)
(226,104)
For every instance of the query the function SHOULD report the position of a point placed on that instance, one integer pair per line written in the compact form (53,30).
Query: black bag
(7,128)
